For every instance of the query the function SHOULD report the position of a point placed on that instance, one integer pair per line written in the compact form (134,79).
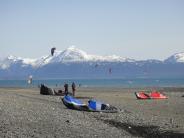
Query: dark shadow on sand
(144,131)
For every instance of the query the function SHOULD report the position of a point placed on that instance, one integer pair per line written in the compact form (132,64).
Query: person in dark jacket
(73,88)
(66,88)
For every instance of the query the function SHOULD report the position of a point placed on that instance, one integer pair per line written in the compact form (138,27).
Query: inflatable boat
(93,105)
(73,103)
(98,106)
(152,95)
(157,95)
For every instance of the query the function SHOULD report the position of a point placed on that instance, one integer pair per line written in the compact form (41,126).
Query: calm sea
(124,83)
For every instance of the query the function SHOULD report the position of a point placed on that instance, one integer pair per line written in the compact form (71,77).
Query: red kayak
(152,95)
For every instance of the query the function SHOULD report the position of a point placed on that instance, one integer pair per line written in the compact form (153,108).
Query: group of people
(73,88)
(49,91)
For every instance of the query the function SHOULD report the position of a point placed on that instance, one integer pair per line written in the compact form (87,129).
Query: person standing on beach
(73,88)
(66,88)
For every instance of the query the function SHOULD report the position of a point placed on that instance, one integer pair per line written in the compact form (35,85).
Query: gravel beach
(26,113)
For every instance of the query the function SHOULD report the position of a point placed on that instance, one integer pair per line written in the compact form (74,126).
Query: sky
(138,29)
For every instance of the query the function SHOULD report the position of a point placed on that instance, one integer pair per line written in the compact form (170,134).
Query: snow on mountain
(5,63)
(28,61)
(176,58)
(112,58)
(73,54)
(11,60)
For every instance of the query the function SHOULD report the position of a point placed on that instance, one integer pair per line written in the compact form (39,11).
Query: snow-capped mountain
(71,54)
(75,63)
(176,58)
(12,60)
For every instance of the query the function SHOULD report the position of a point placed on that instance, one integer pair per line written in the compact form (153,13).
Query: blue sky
(139,29)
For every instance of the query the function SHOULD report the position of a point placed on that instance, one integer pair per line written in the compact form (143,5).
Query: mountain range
(75,63)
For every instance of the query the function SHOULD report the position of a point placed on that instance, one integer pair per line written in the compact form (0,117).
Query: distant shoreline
(162,89)
(116,83)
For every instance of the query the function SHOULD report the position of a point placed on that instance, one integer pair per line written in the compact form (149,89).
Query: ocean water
(124,83)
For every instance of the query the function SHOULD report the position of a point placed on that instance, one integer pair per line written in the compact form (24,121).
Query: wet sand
(26,113)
